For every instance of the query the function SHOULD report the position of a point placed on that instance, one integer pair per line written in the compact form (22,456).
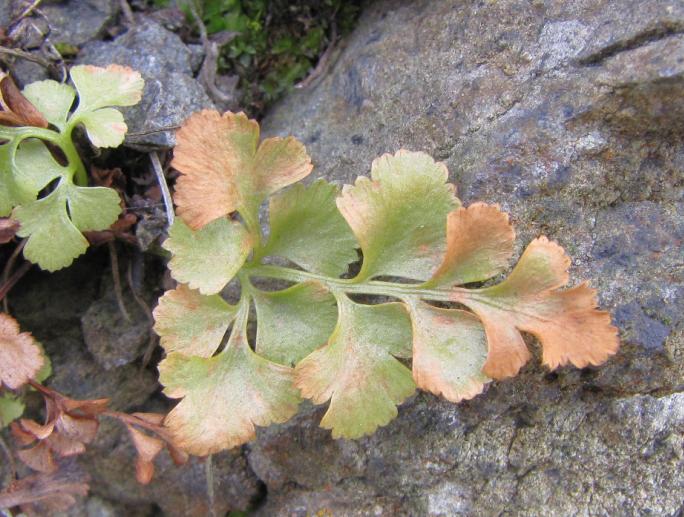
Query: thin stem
(73,158)
(161,179)
(8,269)
(12,474)
(26,12)
(6,287)
(116,279)
(251,219)
(76,171)
(22,54)
(372,287)
(152,341)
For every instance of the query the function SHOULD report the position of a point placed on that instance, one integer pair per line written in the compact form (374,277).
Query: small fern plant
(43,181)
(314,339)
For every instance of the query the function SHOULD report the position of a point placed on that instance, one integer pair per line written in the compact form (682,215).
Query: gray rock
(76,22)
(113,340)
(569,115)
(5,14)
(171,93)
(196,56)
(177,491)
(26,72)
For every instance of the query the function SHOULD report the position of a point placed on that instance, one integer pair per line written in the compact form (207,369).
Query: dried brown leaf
(151,418)
(45,494)
(64,446)
(80,429)
(70,424)
(178,456)
(39,458)
(147,448)
(92,407)
(20,356)
(21,436)
(8,229)
(16,109)
(38,431)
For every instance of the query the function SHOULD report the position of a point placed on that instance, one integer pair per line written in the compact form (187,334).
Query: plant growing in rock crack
(44,187)
(43,181)
(420,246)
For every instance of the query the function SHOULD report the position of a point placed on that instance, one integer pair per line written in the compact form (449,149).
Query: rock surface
(70,22)
(93,17)
(570,116)
(113,339)
(171,93)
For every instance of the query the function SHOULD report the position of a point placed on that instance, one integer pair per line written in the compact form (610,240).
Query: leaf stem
(372,287)
(74,159)
(251,219)
(76,169)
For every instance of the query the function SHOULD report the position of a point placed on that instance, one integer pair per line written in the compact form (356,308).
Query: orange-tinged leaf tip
(223,169)
(591,331)
(567,323)
(20,357)
(479,245)
(211,151)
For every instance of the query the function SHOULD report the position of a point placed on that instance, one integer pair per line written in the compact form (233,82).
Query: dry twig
(209,68)
(8,269)
(166,195)
(127,12)
(323,61)
(116,278)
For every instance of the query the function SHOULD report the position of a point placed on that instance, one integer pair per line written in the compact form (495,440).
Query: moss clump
(279,41)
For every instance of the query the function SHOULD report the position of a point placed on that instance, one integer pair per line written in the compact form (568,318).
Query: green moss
(278,44)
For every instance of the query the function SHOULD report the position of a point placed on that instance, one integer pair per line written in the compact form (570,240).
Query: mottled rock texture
(92,19)
(73,22)
(571,116)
